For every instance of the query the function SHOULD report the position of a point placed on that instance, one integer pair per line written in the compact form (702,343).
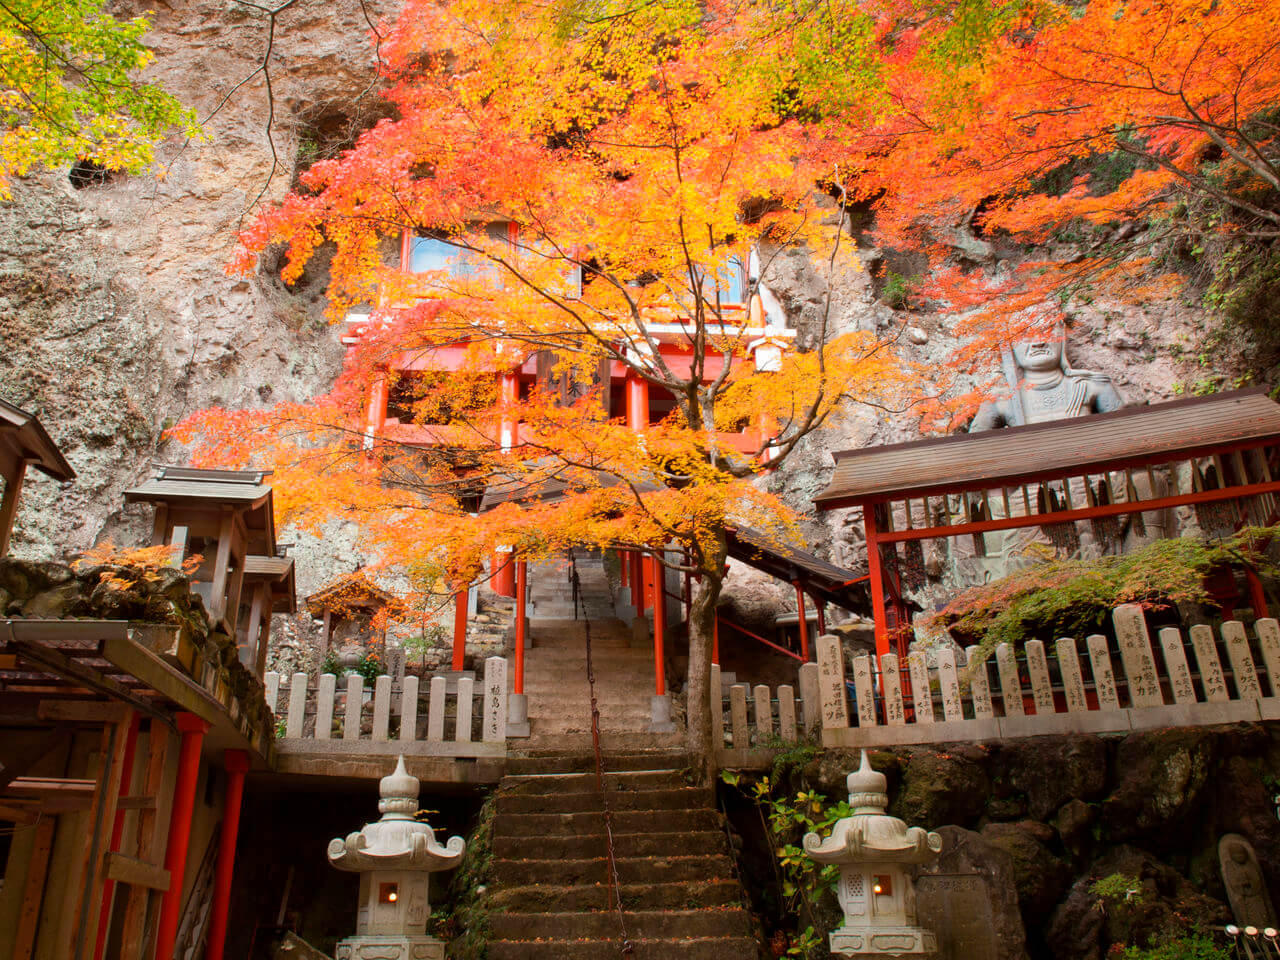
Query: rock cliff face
(117,316)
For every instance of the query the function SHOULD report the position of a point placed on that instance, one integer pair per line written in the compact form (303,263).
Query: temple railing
(448,717)
(751,723)
(1099,686)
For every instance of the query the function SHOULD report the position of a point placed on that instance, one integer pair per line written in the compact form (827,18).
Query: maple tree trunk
(702,631)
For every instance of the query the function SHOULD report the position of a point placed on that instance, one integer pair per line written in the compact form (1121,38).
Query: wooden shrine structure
(24,443)
(225,517)
(1219,455)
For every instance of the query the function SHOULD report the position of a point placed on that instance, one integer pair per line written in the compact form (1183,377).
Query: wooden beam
(58,663)
(136,873)
(97,842)
(33,891)
(22,815)
(221,565)
(139,902)
(21,760)
(9,503)
(80,711)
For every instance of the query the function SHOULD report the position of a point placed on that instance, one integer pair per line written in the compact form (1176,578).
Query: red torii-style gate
(1225,450)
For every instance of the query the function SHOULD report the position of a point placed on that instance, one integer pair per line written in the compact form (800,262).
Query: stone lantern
(395,857)
(873,851)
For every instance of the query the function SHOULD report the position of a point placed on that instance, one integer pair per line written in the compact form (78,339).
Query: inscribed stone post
(297,705)
(762,698)
(495,700)
(353,707)
(787,713)
(1072,679)
(810,701)
(1210,667)
(1104,679)
(863,691)
(1268,632)
(1010,686)
(952,708)
(717,707)
(409,709)
(1135,654)
(466,707)
(1241,657)
(835,707)
(324,706)
(738,716)
(272,693)
(435,708)
(382,708)
(1038,671)
(891,684)
(979,688)
(1175,662)
(921,695)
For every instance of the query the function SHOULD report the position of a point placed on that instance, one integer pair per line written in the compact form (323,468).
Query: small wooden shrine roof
(824,580)
(279,573)
(1158,433)
(349,593)
(32,443)
(212,489)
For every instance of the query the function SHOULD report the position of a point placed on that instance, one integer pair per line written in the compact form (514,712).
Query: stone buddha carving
(1044,387)
(1246,886)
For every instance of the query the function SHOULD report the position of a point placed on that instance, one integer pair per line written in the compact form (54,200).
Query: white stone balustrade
(1068,686)
(469,721)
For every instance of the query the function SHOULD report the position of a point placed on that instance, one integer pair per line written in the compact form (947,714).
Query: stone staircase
(548,898)
(551,591)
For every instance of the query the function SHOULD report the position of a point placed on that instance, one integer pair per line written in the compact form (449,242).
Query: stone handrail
(1112,688)
(748,719)
(448,705)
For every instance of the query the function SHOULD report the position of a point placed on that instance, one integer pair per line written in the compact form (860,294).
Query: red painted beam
(237,765)
(193,730)
(460,627)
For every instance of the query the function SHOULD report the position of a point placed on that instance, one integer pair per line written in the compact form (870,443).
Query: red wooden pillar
(460,626)
(822,616)
(637,402)
(1257,595)
(875,578)
(522,574)
(377,416)
(237,765)
(193,730)
(510,398)
(804,623)
(503,580)
(624,563)
(117,830)
(659,631)
(715,641)
(638,583)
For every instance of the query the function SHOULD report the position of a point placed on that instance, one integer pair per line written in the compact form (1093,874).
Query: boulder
(1049,771)
(940,788)
(1161,776)
(1074,822)
(1038,876)
(1160,904)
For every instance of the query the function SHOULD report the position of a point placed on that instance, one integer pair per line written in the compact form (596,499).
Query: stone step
(624,821)
(619,741)
(642,924)
(596,870)
(591,845)
(557,761)
(708,948)
(673,798)
(621,781)
(542,897)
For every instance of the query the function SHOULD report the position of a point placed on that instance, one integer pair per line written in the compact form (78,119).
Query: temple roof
(279,573)
(210,489)
(1083,445)
(824,580)
(349,593)
(33,443)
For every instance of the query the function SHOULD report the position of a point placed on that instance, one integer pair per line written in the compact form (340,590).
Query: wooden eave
(354,591)
(278,572)
(817,577)
(239,490)
(1147,435)
(33,443)
(46,661)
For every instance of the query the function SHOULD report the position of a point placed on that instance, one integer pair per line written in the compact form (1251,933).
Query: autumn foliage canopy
(642,149)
